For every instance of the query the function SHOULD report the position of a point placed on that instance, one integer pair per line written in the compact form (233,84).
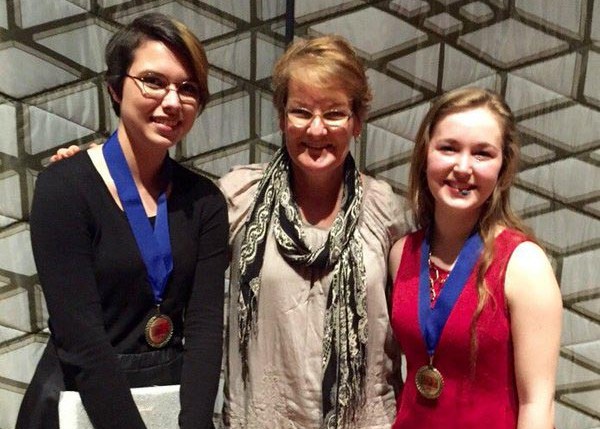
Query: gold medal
(159,330)
(429,382)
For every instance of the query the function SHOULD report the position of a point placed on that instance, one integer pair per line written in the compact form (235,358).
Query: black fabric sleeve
(61,234)
(203,328)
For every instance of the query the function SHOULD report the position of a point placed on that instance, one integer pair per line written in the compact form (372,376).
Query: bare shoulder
(395,256)
(528,257)
(529,274)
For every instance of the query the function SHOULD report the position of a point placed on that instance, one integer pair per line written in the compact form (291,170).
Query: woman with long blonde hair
(476,308)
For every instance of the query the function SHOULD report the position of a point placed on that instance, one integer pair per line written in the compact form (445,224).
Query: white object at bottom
(158,406)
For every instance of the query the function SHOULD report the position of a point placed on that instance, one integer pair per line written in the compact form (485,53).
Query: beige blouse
(285,373)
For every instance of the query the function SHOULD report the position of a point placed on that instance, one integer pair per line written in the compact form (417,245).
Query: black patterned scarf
(345,332)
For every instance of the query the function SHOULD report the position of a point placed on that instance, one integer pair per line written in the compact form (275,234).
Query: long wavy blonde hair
(497,210)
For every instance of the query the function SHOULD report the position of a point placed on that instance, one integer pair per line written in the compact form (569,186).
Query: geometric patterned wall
(542,55)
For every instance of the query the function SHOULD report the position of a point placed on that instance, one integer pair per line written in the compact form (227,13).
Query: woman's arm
(395,257)
(62,246)
(204,319)
(393,264)
(535,306)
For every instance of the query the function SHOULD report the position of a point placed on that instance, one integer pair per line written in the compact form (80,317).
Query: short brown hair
(331,61)
(121,48)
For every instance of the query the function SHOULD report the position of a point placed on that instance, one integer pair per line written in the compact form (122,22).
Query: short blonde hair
(331,62)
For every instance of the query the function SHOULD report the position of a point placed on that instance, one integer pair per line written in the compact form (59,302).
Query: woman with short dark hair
(131,247)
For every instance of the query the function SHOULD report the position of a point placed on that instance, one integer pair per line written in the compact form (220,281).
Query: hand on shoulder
(67,152)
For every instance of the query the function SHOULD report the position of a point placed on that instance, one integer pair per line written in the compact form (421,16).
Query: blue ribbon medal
(432,320)
(154,244)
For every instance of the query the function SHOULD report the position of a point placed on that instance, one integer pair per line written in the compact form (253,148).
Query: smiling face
(318,149)
(464,158)
(150,122)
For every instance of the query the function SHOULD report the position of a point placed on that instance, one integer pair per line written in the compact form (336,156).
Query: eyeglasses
(157,87)
(300,117)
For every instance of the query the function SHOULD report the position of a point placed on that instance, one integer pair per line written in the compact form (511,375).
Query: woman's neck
(449,235)
(145,164)
(318,196)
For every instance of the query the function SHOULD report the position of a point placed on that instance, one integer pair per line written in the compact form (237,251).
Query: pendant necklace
(433,318)
(154,244)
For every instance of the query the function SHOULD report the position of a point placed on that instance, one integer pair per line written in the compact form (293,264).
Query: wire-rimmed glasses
(157,86)
(300,117)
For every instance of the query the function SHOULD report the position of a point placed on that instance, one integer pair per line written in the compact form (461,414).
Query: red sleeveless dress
(472,398)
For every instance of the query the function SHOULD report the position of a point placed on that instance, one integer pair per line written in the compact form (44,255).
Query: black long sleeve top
(99,299)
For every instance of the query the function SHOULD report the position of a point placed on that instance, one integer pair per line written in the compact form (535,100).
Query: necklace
(436,278)
(433,317)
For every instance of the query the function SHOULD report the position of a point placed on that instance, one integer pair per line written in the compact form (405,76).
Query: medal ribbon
(433,319)
(154,244)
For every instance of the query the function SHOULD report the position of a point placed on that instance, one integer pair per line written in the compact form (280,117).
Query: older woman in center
(309,332)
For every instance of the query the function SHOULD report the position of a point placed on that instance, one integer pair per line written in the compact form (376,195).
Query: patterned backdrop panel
(542,55)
